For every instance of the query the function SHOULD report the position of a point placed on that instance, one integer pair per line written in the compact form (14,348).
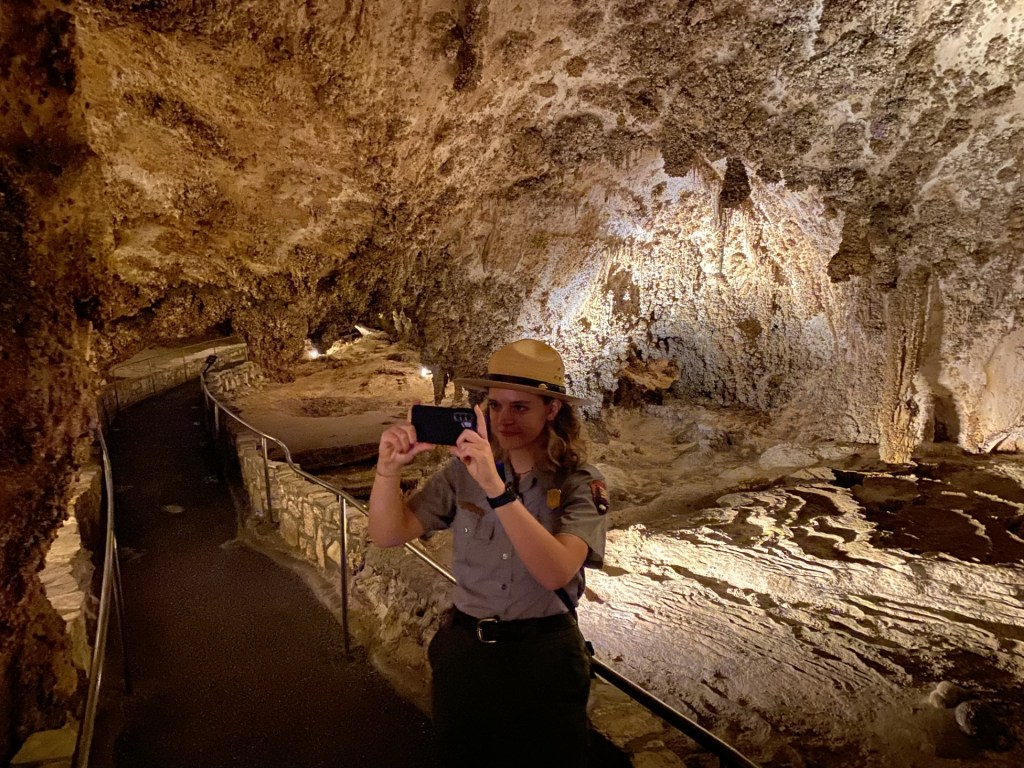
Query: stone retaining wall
(67,575)
(163,374)
(234,381)
(307,516)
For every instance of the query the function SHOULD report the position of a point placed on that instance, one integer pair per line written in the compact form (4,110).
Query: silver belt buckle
(480,629)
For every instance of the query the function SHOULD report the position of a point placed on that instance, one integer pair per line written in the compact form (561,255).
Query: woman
(511,674)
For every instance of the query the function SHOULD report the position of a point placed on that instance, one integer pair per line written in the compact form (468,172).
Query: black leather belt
(493,630)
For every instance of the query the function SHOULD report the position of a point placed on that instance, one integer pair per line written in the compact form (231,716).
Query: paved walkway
(234,661)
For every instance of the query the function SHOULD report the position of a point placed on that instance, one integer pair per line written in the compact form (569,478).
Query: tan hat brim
(491,384)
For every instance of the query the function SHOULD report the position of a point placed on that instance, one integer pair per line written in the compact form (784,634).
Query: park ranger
(527,513)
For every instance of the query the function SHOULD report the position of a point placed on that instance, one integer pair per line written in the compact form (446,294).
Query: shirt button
(504,586)
(504,555)
(465,530)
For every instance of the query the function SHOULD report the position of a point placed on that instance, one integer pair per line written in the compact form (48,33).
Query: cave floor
(801,600)
(233,659)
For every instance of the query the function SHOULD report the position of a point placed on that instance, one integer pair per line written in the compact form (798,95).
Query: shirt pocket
(472,525)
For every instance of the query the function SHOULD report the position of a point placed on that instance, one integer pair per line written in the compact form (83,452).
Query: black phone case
(441,426)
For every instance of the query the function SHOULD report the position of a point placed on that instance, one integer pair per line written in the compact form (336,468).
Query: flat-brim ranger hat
(526,365)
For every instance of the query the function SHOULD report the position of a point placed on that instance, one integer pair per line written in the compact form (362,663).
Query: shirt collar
(548,478)
(540,474)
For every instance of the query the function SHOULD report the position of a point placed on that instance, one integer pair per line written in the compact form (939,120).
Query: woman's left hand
(474,450)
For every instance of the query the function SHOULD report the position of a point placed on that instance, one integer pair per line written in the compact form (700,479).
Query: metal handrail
(345,500)
(727,755)
(110,589)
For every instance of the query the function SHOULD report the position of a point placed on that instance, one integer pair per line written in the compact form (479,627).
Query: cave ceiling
(811,208)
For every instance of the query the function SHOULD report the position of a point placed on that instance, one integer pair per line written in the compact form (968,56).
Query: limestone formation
(976,718)
(947,695)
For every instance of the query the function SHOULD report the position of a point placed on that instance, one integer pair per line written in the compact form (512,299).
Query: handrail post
(206,407)
(266,477)
(343,544)
(119,606)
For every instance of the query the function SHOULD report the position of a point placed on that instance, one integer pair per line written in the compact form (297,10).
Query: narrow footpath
(233,660)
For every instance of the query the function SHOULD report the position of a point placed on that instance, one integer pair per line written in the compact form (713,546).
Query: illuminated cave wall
(781,197)
(811,208)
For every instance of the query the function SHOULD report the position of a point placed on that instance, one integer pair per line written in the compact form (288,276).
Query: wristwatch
(505,497)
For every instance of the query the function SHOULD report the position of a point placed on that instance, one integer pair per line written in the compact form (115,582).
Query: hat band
(536,383)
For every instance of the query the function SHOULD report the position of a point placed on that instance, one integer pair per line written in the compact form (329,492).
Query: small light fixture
(314,353)
(425,372)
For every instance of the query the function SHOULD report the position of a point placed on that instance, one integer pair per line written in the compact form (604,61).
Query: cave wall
(779,196)
(46,299)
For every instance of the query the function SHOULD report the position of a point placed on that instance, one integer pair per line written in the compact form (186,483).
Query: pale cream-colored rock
(334,552)
(57,580)
(47,749)
(64,548)
(67,602)
(813,473)
(787,456)
(289,530)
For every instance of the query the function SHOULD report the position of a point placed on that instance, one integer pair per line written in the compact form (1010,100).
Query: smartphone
(441,426)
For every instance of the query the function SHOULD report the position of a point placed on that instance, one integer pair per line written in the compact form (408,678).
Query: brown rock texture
(47,297)
(621,178)
(811,209)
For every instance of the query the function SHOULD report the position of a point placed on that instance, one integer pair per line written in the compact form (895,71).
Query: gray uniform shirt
(490,578)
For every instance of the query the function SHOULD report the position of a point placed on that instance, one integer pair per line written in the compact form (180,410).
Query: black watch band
(505,497)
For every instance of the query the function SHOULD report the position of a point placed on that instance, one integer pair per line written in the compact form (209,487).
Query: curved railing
(110,590)
(344,499)
(728,756)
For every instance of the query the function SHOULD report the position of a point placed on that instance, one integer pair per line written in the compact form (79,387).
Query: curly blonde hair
(566,445)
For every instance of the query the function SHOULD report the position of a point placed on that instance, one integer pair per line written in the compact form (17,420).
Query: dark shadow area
(955,506)
(233,660)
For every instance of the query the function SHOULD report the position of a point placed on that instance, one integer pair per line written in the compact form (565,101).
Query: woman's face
(517,419)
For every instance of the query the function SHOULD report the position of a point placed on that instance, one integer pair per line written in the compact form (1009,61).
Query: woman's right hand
(398,447)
